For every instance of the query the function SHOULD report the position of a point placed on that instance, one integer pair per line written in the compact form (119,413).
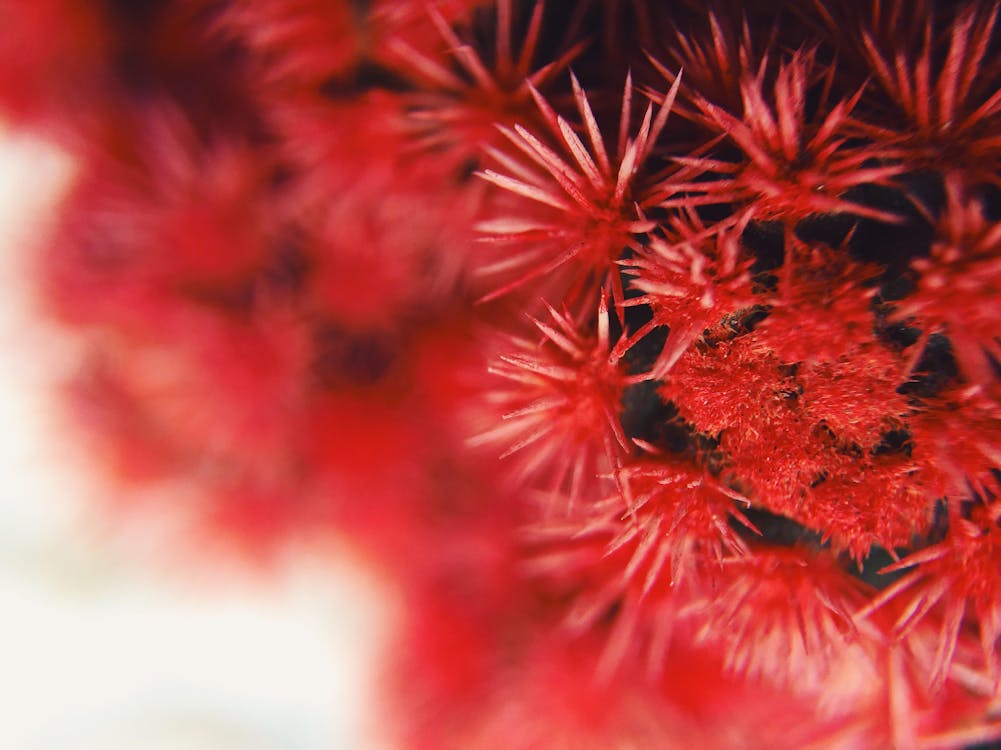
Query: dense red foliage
(655,353)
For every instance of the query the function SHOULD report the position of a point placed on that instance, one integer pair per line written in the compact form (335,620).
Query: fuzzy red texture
(760,352)
(822,308)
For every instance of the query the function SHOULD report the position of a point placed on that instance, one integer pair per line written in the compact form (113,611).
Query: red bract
(677,516)
(561,401)
(593,199)
(305,44)
(959,433)
(952,107)
(794,163)
(461,111)
(892,24)
(298,42)
(349,148)
(959,285)
(375,262)
(394,242)
(715,63)
(897,710)
(165,236)
(783,616)
(638,555)
(410,24)
(691,280)
(519,683)
(958,575)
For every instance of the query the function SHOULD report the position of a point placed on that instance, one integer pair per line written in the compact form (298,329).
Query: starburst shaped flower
(951,108)
(558,402)
(591,197)
(960,575)
(959,285)
(794,160)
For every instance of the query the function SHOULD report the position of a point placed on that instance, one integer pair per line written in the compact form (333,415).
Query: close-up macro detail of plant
(649,350)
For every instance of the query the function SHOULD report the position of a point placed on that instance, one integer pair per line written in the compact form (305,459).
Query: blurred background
(101,646)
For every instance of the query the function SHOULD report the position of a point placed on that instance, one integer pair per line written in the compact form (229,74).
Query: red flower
(961,574)
(959,285)
(951,109)
(594,200)
(559,405)
(463,100)
(691,280)
(793,163)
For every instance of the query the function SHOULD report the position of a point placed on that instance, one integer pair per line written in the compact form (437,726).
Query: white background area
(99,651)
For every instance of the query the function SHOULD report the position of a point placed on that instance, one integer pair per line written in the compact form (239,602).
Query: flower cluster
(652,349)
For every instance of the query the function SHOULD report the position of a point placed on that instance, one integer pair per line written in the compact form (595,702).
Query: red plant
(959,285)
(960,572)
(759,376)
(951,109)
(690,282)
(793,163)
(596,205)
